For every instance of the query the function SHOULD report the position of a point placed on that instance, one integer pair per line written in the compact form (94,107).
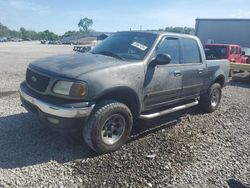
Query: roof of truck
(161,33)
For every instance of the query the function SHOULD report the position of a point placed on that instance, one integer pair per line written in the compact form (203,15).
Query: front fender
(124,79)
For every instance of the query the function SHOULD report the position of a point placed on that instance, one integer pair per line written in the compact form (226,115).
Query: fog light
(53,120)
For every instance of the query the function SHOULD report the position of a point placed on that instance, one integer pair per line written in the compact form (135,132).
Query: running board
(168,111)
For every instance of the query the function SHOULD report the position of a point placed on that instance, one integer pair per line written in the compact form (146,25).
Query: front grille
(37,81)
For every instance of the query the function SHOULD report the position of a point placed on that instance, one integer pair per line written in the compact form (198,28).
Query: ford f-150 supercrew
(129,75)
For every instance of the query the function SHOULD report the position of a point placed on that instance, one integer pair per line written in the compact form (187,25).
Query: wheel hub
(113,129)
(215,98)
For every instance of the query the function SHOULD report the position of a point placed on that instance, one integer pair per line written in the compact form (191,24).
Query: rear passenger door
(193,69)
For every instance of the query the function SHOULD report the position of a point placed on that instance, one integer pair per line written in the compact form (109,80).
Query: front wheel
(108,127)
(210,101)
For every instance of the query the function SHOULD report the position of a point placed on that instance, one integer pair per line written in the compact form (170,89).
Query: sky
(60,16)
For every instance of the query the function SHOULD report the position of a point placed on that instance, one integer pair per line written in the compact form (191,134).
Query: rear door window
(191,51)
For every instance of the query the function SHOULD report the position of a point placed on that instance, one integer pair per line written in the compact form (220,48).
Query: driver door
(163,83)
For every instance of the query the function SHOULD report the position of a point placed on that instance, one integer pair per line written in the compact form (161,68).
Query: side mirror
(163,59)
(243,53)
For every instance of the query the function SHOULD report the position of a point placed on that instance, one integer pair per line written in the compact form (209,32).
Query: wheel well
(220,80)
(125,96)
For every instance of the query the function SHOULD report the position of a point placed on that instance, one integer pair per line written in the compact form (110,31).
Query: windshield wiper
(108,53)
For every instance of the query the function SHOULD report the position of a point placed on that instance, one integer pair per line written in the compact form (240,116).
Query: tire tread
(101,108)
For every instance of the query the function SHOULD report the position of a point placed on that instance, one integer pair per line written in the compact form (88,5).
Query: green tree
(85,24)
(184,30)
(4,31)
(27,34)
(70,33)
(24,33)
(48,35)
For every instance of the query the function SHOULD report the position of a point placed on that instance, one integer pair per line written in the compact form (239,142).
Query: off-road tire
(92,130)
(206,100)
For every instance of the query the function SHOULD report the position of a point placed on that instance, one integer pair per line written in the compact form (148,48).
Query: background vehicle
(246,52)
(3,39)
(129,75)
(54,42)
(43,41)
(225,51)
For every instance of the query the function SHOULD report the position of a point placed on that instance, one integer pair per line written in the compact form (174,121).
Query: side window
(232,50)
(237,50)
(191,51)
(170,46)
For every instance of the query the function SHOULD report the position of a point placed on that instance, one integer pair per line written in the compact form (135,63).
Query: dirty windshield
(128,46)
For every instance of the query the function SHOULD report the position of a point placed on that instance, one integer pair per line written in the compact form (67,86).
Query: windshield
(216,52)
(126,45)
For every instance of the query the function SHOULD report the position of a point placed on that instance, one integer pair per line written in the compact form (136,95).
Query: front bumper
(53,110)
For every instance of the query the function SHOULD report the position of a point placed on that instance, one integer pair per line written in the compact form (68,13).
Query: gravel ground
(184,149)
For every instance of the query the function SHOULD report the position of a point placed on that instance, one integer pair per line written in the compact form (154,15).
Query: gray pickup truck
(129,75)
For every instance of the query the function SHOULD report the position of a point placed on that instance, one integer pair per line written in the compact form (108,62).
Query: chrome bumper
(64,112)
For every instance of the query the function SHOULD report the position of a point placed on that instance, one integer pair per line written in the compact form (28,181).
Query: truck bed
(220,66)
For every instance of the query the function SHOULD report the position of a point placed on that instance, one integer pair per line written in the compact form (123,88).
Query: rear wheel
(108,127)
(210,101)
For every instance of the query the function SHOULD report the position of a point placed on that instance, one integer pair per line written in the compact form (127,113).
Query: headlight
(73,89)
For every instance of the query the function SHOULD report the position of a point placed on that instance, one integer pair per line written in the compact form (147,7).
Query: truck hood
(74,65)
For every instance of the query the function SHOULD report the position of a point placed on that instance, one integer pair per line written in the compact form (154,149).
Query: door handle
(177,73)
(200,71)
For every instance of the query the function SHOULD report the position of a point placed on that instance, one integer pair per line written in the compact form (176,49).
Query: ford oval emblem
(34,79)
